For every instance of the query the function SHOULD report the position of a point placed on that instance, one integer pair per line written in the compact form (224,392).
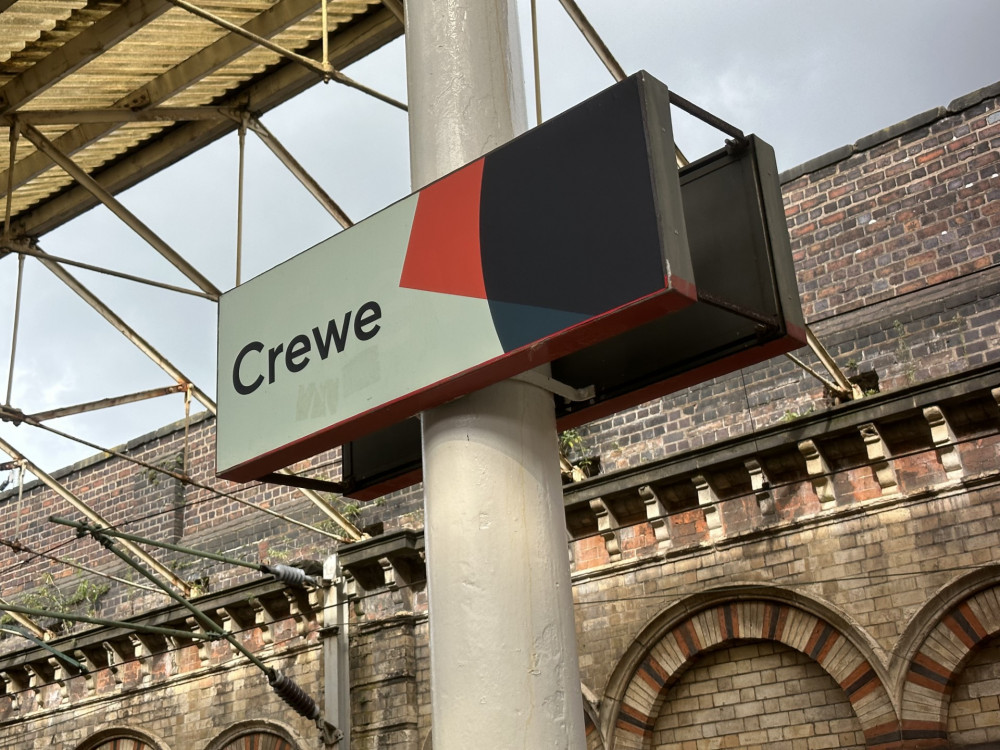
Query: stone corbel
(819,473)
(143,653)
(39,673)
(709,502)
(59,674)
(300,610)
(657,517)
(16,681)
(236,617)
(94,659)
(396,582)
(945,441)
(118,651)
(881,460)
(607,526)
(268,611)
(761,486)
(204,645)
(352,595)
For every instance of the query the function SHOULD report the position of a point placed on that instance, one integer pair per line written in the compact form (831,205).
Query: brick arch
(123,743)
(938,660)
(121,739)
(259,741)
(741,620)
(256,735)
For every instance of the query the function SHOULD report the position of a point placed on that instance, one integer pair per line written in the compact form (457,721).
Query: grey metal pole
(503,656)
(337,653)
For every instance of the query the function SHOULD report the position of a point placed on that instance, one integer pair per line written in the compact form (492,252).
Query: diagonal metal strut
(131,220)
(324,68)
(299,171)
(601,50)
(144,346)
(57,487)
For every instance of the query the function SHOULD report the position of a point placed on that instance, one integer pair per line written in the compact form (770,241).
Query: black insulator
(288,574)
(293,695)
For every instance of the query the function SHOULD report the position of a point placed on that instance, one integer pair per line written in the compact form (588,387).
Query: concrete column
(504,667)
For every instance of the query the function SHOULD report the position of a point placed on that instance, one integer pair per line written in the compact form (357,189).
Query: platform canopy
(126,88)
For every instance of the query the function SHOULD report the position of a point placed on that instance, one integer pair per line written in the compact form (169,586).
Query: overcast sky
(805,76)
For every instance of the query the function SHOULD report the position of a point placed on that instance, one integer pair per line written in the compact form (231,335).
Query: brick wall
(187,711)
(755,696)
(974,710)
(896,243)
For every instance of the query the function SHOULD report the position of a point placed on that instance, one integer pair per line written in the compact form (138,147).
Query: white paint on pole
(503,652)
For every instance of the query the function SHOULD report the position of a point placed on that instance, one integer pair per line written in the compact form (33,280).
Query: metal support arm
(299,171)
(326,70)
(90,514)
(546,383)
(94,188)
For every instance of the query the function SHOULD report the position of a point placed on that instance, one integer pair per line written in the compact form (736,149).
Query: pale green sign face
(330,334)
(564,237)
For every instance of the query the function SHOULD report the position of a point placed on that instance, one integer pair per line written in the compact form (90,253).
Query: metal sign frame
(562,238)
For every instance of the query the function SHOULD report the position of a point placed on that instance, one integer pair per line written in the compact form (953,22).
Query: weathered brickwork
(384,685)
(754,565)
(196,704)
(974,708)
(756,696)
(879,240)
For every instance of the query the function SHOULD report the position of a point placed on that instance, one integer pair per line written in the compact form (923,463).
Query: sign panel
(747,311)
(564,237)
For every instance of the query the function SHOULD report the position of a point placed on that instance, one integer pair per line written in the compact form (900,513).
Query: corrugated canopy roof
(128,87)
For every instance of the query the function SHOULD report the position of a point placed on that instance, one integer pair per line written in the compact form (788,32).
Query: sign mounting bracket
(546,383)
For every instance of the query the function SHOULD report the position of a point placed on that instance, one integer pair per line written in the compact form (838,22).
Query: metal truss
(56,135)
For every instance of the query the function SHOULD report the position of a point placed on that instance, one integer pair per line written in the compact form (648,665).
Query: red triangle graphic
(443,251)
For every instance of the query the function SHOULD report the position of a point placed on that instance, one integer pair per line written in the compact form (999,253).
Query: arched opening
(974,707)
(753,669)
(949,690)
(259,741)
(121,739)
(255,735)
(752,694)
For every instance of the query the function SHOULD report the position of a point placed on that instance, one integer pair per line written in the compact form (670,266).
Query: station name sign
(566,236)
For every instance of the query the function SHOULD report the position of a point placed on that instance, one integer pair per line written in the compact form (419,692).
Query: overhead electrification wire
(772,487)
(78,713)
(183,479)
(673,595)
(285,687)
(285,573)
(19,547)
(6,573)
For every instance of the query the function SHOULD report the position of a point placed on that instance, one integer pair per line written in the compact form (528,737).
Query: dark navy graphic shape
(548,237)
(520,325)
(567,216)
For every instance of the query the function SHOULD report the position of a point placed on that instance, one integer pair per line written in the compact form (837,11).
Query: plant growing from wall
(51,598)
(173,464)
(791,415)
(575,460)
